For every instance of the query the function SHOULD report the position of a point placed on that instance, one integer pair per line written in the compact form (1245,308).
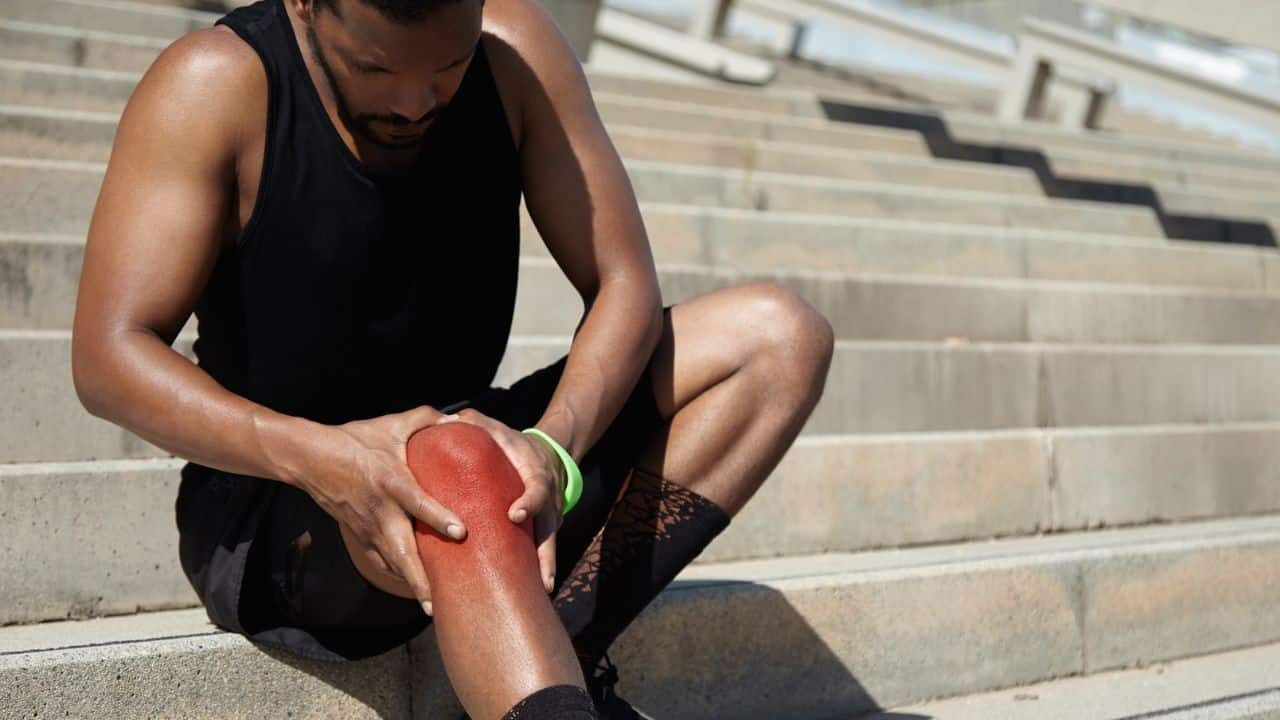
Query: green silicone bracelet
(573,486)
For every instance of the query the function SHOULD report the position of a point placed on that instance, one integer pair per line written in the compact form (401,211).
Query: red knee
(462,467)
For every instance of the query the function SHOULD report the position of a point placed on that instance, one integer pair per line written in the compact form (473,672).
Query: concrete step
(1100,165)
(42,270)
(849,633)
(859,305)
(65,87)
(1074,155)
(707,119)
(104,534)
(48,133)
(118,16)
(55,87)
(963,125)
(773,240)
(43,196)
(979,126)
(1232,685)
(772,99)
(167,23)
(41,42)
(660,182)
(106,50)
(68,87)
(873,386)
(55,134)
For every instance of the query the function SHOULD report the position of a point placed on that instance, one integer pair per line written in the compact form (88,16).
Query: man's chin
(388,140)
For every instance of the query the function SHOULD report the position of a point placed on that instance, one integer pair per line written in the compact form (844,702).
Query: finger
(418,504)
(417,418)
(366,551)
(547,548)
(536,495)
(402,547)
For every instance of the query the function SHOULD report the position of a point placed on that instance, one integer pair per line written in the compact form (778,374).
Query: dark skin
(735,372)
(162,218)
(207,94)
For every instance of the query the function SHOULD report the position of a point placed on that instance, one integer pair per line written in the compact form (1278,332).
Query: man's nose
(414,102)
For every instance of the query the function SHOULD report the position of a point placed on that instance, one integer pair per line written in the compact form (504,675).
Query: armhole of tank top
(513,152)
(268,147)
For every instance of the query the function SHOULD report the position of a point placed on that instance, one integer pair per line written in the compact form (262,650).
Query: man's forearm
(613,345)
(144,386)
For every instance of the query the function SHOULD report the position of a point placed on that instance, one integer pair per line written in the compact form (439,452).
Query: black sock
(655,529)
(557,701)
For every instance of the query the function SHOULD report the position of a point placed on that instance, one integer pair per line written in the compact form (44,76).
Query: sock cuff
(707,510)
(553,702)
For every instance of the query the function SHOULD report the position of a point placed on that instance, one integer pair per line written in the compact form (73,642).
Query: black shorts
(315,603)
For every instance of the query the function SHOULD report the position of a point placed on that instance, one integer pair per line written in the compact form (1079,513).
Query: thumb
(415,419)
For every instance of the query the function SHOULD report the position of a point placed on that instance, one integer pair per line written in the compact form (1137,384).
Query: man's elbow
(89,374)
(83,378)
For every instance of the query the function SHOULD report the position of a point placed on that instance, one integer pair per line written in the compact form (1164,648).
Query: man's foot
(608,704)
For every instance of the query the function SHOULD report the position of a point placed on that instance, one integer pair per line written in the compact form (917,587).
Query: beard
(362,125)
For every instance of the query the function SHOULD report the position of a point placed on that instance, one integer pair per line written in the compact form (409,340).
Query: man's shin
(655,529)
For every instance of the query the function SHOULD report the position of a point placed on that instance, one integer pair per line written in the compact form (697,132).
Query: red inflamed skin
(491,612)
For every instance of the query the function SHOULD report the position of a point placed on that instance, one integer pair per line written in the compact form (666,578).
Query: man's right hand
(363,480)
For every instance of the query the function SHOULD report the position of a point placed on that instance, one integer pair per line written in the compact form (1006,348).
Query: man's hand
(365,483)
(544,477)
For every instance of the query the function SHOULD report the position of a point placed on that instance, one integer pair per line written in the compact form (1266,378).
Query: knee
(495,568)
(464,469)
(796,341)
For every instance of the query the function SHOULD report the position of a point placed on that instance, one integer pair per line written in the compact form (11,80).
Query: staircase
(1042,482)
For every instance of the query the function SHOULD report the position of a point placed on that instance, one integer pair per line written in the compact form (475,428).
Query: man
(332,186)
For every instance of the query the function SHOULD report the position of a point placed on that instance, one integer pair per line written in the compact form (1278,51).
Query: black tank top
(350,295)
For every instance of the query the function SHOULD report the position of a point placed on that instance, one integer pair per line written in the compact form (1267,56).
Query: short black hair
(402,11)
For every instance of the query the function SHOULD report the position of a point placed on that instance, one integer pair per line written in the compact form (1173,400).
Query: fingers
(415,501)
(545,526)
(400,549)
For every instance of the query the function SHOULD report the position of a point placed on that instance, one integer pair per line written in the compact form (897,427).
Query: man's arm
(580,198)
(161,217)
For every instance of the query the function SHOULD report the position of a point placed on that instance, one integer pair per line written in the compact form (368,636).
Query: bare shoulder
(533,64)
(206,86)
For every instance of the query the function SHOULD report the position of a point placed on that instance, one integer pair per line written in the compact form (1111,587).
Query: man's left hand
(544,477)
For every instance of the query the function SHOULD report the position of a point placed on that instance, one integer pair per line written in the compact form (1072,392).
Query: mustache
(402,121)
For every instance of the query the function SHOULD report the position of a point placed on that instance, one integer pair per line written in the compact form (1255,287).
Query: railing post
(1025,85)
(709,19)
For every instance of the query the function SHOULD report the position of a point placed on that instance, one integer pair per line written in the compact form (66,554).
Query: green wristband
(573,485)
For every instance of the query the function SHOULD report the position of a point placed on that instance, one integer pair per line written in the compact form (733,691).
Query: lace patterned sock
(654,530)
(555,702)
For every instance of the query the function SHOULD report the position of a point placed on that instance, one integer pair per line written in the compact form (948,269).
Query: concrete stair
(659,129)
(1042,468)
(57,196)
(884,306)
(979,616)
(101,527)
(874,386)
(1236,685)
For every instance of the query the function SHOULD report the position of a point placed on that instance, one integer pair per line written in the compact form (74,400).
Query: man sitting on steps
(333,188)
